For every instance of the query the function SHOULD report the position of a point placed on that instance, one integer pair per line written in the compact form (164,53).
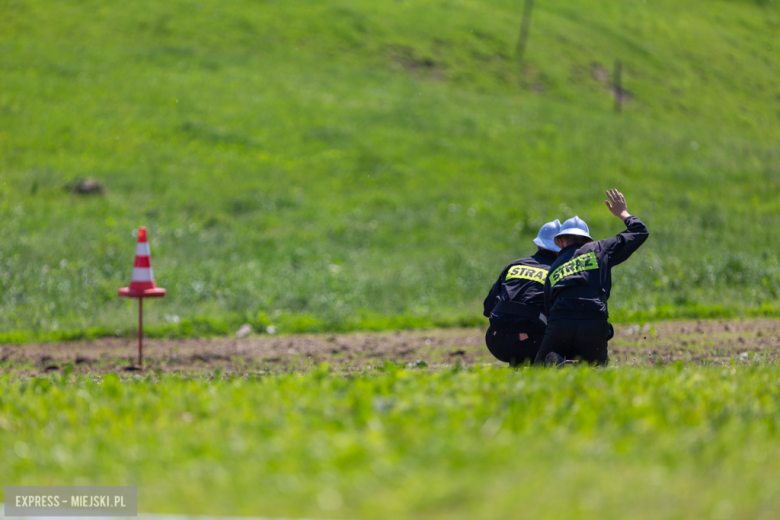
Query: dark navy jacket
(580,280)
(521,281)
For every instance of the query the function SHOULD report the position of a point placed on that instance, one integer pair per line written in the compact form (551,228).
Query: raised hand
(617,204)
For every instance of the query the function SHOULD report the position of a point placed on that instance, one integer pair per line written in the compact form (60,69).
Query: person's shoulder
(523,260)
(590,247)
(543,257)
(519,261)
(560,260)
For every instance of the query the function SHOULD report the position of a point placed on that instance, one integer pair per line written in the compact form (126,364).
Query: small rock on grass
(244,331)
(86,187)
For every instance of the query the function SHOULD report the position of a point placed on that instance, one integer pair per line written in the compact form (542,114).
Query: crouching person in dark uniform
(578,286)
(515,304)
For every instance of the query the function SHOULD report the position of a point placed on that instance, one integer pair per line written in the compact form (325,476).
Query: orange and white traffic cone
(142,285)
(142,282)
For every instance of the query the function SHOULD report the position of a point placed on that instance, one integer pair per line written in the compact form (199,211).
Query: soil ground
(697,342)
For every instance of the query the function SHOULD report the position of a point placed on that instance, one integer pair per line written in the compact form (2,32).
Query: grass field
(666,443)
(371,165)
(406,425)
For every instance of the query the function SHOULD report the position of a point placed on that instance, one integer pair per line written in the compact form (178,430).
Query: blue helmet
(546,235)
(575,226)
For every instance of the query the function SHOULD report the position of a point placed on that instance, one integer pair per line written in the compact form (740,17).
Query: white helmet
(574,226)
(546,235)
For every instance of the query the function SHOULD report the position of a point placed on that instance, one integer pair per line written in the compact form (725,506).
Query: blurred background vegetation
(351,164)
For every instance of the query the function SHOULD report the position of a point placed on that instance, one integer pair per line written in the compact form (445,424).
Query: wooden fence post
(525,27)
(618,86)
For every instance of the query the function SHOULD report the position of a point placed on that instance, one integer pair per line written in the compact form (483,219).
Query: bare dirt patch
(701,343)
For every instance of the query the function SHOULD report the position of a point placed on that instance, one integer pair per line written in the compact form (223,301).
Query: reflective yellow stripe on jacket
(527,273)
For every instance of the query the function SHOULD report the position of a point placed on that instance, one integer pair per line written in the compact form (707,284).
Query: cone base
(157,292)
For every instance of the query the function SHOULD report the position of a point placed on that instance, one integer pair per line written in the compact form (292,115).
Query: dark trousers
(507,347)
(585,340)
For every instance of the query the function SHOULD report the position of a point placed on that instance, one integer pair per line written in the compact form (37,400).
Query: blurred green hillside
(354,164)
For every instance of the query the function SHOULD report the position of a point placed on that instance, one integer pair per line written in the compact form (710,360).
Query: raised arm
(617,204)
(624,244)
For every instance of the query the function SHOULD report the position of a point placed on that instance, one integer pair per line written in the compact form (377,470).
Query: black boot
(553,360)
